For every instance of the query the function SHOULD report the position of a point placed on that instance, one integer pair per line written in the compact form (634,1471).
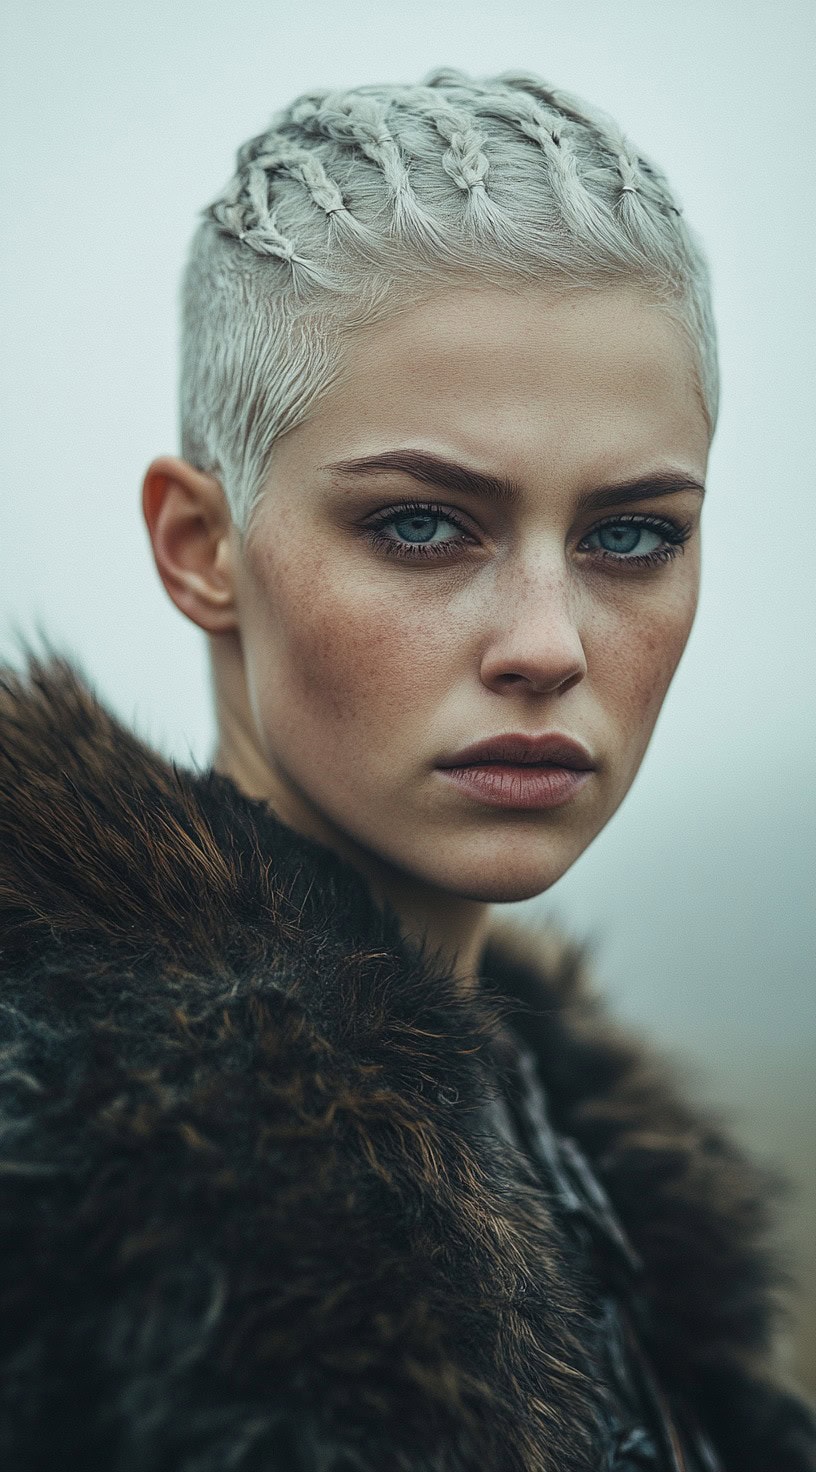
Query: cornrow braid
(245,211)
(621,151)
(277,154)
(551,131)
(537,111)
(299,164)
(465,160)
(553,98)
(639,176)
(359,120)
(630,165)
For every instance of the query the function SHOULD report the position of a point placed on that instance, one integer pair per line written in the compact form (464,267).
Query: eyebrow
(433,470)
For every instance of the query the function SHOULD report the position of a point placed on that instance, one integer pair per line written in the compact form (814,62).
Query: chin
(502,879)
(501,889)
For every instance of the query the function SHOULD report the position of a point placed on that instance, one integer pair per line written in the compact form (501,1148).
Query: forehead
(592,381)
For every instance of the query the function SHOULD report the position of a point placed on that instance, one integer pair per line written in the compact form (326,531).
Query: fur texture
(249,1217)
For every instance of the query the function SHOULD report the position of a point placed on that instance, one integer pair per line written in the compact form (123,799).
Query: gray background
(120,121)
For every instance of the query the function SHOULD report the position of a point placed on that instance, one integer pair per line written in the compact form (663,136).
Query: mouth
(520,771)
(551,749)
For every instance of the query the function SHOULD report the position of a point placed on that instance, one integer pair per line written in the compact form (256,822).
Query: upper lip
(552,747)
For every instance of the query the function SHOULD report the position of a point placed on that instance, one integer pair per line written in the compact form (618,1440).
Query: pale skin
(345,672)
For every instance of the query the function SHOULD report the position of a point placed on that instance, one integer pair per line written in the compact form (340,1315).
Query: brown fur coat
(247,1220)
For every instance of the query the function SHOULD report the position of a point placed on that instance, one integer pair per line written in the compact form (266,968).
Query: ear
(191,531)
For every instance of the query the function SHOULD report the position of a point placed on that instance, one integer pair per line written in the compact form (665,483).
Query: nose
(534,644)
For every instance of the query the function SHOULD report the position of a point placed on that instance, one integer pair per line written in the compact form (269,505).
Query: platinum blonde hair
(354,204)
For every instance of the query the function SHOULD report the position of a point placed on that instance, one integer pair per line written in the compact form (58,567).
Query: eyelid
(673,529)
(459,518)
(638,515)
(423,508)
(469,524)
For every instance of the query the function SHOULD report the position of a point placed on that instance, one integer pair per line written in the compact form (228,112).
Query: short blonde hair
(356,203)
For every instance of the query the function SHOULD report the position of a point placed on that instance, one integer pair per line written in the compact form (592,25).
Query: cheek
(637,648)
(336,651)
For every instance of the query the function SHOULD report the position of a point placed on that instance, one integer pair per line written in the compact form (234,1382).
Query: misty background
(120,120)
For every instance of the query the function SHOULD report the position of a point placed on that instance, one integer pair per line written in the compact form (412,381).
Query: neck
(446,924)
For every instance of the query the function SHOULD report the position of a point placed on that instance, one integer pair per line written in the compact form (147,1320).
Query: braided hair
(356,202)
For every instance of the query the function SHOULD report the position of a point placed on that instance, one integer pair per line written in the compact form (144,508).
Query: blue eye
(418,530)
(420,527)
(619,538)
(622,537)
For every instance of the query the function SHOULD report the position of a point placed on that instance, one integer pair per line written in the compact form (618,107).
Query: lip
(519,749)
(519,770)
(517,786)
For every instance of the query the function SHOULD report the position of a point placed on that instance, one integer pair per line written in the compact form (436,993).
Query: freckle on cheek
(348,655)
(339,662)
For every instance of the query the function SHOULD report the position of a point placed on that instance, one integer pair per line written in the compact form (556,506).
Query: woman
(307,1164)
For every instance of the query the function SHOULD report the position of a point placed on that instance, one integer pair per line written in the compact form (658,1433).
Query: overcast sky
(120,120)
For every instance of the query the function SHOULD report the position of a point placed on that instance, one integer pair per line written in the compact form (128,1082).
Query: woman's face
(389,619)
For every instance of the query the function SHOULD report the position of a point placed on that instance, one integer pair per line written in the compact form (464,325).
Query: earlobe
(189,524)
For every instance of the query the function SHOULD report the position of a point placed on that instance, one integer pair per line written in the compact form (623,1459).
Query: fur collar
(210,1027)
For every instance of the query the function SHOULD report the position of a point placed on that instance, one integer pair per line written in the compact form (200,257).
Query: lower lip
(502,785)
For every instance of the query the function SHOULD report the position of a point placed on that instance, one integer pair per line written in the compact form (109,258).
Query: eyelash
(675,534)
